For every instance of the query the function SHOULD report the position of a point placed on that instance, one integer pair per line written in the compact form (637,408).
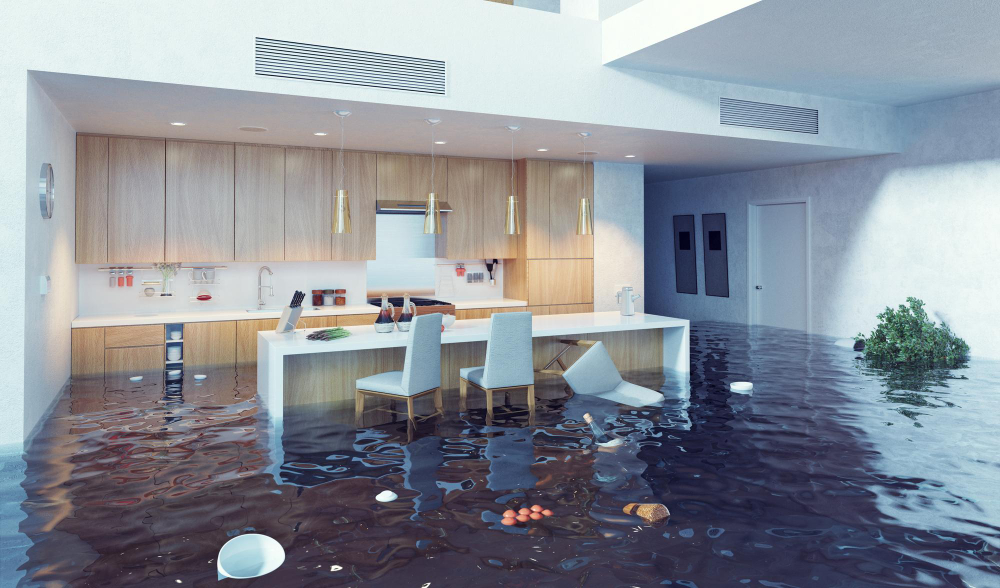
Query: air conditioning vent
(304,61)
(760,115)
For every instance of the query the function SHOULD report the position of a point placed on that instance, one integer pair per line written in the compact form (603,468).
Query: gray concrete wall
(921,223)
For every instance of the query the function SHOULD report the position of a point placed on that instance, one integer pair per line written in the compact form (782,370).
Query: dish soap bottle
(384,322)
(599,435)
(406,315)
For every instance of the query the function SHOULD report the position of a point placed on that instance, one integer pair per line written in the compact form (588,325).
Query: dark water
(828,475)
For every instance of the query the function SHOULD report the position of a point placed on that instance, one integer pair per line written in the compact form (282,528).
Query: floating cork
(651,513)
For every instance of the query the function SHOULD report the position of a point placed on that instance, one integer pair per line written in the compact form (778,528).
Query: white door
(779,280)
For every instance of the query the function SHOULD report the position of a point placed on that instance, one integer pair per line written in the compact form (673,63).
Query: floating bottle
(599,435)
(384,322)
(406,314)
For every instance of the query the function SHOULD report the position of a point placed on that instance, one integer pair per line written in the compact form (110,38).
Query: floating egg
(524,511)
(523,518)
(536,516)
(536,508)
(508,521)
(509,514)
(547,512)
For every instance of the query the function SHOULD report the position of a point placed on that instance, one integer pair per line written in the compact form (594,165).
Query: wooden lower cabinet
(246,339)
(318,322)
(121,363)
(87,352)
(482,313)
(133,336)
(355,320)
(210,344)
(570,308)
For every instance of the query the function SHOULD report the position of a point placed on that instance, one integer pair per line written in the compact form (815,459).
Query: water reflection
(799,484)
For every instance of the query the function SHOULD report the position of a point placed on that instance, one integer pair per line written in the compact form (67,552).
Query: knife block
(289,318)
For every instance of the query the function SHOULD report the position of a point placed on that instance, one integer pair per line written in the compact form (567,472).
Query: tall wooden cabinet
(361,183)
(91,199)
(260,203)
(136,200)
(200,214)
(308,210)
(496,189)
(565,188)
(463,237)
(210,344)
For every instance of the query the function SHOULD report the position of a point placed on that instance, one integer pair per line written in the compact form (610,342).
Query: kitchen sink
(264,309)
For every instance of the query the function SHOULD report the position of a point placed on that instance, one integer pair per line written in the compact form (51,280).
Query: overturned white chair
(595,374)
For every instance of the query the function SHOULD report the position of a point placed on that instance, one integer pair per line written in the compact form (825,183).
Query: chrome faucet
(260,287)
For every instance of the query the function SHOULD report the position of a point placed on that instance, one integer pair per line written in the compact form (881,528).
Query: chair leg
(463,392)
(438,402)
(359,407)
(409,409)
(489,405)
(531,401)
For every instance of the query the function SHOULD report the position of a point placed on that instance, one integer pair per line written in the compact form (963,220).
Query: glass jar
(340,297)
(317,298)
(328,298)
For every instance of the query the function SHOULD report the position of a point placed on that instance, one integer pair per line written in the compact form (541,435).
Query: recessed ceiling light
(253,129)
(630,156)
(178,124)
(542,149)
(440,142)
(320,134)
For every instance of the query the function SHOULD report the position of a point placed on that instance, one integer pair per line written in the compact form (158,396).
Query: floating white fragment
(200,376)
(249,556)
(741,387)
(335,568)
(135,379)
(615,442)
(386,496)
(173,373)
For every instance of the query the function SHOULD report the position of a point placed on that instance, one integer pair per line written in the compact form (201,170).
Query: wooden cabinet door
(408,177)
(122,363)
(463,238)
(200,201)
(360,181)
(136,201)
(565,189)
(260,203)
(87,352)
(425,177)
(134,336)
(91,200)
(354,320)
(535,223)
(308,208)
(496,190)
(318,322)
(560,281)
(210,344)
(246,339)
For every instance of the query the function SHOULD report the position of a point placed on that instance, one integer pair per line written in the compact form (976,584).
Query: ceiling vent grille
(304,61)
(760,115)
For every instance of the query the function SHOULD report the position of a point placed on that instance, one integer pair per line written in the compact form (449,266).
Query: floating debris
(743,387)
(386,496)
(649,512)
(249,556)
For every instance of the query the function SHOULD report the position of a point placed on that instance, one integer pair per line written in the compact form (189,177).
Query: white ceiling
(128,107)
(896,52)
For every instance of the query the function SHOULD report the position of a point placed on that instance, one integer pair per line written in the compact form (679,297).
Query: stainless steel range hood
(405,206)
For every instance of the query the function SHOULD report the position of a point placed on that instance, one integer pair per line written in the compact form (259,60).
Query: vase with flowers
(167,271)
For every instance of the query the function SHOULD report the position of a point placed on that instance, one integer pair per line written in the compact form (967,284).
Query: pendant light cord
(341,152)
(512,163)
(584,140)
(432,159)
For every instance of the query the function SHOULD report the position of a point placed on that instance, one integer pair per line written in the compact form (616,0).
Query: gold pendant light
(342,203)
(432,210)
(512,220)
(584,220)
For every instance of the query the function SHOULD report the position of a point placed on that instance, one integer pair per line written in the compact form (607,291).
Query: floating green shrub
(907,336)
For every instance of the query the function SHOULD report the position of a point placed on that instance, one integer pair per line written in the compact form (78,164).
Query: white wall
(922,223)
(49,250)
(618,233)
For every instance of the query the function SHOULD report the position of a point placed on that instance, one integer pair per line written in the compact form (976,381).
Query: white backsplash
(448,286)
(237,287)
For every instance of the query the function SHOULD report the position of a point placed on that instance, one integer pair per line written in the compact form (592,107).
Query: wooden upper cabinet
(91,199)
(200,222)
(136,205)
(535,223)
(496,189)
(560,281)
(308,208)
(360,181)
(463,238)
(260,203)
(565,189)
(426,177)
(408,177)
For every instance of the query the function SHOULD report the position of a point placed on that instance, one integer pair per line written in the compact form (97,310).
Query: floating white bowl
(135,379)
(386,496)
(741,386)
(249,556)
(200,376)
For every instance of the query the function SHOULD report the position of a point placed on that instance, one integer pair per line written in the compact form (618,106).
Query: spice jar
(327,297)
(317,298)
(341,297)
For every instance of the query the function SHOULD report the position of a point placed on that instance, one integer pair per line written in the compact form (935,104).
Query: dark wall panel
(685,255)
(716,254)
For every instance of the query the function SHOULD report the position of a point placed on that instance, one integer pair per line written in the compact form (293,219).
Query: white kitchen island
(291,370)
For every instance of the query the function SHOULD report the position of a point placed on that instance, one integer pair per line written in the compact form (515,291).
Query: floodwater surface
(830,474)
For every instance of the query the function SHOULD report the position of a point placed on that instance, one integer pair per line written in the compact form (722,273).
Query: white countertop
(239,314)
(205,316)
(365,337)
(487,303)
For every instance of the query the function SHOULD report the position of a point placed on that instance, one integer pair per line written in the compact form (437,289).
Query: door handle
(760,287)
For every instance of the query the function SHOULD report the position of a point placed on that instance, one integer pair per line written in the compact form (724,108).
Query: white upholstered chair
(595,374)
(421,373)
(508,362)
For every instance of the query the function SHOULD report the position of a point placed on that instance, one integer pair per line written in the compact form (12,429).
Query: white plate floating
(386,496)
(249,556)
(741,387)
(200,376)
(135,379)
